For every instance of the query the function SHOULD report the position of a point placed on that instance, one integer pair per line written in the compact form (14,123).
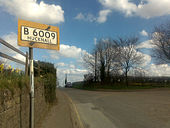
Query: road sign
(36,35)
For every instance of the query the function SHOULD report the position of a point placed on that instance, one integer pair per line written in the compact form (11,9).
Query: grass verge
(132,86)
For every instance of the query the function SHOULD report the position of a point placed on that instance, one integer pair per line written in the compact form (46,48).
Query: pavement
(59,115)
(122,109)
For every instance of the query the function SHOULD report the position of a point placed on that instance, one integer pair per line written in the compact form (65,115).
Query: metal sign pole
(31,87)
(36,35)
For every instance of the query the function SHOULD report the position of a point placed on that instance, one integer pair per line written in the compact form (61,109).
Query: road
(123,109)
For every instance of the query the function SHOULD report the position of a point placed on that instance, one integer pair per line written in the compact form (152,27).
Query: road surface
(123,109)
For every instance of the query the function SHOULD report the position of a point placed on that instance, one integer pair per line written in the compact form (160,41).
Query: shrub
(13,81)
(50,87)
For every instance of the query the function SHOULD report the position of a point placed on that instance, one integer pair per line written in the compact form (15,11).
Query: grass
(13,80)
(132,86)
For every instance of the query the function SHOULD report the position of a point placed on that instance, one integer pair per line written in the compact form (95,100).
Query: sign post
(32,87)
(35,35)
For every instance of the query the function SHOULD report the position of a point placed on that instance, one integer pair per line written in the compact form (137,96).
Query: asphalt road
(123,109)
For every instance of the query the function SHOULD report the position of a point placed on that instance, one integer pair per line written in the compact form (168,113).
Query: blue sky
(81,23)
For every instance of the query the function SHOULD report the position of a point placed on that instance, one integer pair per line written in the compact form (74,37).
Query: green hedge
(45,75)
(49,81)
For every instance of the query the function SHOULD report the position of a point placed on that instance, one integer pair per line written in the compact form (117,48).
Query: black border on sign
(37,41)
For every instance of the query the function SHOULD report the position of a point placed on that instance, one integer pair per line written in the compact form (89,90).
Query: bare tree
(107,53)
(129,58)
(139,74)
(161,41)
(100,61)
(90,62)
(112,57)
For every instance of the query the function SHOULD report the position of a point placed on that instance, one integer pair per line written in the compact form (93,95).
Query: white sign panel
(38,35)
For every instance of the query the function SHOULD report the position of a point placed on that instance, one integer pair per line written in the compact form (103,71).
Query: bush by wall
(15,96)
(47,74)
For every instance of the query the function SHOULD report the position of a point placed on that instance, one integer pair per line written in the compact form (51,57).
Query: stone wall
(15,107)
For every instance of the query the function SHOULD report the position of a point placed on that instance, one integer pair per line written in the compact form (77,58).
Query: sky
(82,23)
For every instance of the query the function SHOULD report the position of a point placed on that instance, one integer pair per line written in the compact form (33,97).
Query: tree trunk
(102,72)
(126,78)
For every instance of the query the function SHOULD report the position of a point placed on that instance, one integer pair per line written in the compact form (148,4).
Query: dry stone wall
(15,107)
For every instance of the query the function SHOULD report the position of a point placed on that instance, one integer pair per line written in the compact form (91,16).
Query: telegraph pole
(95,66)
(66,78)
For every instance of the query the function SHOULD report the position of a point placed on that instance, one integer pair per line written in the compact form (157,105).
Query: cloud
(11,38)
(67,51)
(72,66)
(143,33)
(62,64)
(85,17)
(74,70)
(159,70)
(103,15)
(34,11)
(146,44)
(120,5)
(152,69)
(80,16)
(19,57)
(146,59)
(153,8)
(145,9)
(73,74)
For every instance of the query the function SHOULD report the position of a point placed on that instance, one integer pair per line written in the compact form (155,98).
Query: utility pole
(65,79)
(95,66)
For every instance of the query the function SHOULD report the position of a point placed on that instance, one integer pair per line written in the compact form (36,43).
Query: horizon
(82,24)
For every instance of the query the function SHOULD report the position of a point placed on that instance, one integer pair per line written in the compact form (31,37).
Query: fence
(14,59)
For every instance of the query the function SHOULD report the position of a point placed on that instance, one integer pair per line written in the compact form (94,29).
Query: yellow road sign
(36,35)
